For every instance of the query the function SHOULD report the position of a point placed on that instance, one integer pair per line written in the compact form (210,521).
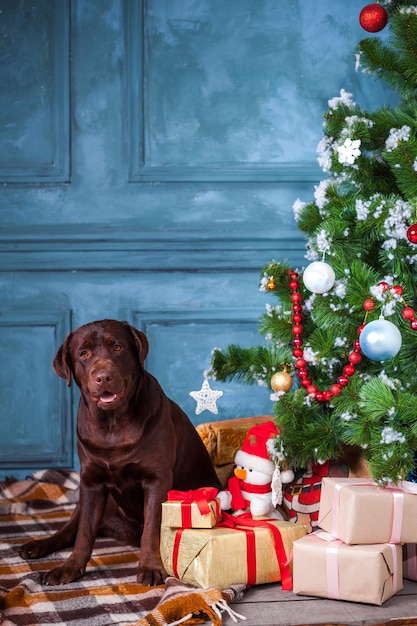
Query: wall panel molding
(38,431)
(74,249)
(35,135)
(181,342)
(143,101)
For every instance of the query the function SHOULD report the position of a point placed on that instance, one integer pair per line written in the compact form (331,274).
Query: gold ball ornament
(271,284)
(281,381)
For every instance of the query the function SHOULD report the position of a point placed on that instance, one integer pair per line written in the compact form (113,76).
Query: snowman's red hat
(254,453)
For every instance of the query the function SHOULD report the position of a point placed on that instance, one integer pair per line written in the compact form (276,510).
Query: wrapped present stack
(357,553)
(205,547)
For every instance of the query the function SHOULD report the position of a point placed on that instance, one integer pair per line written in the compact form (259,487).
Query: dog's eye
(116,347)
(83,353)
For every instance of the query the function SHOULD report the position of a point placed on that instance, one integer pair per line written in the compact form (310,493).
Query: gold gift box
(172,514)
(358,511)
(224,438)
(218,556)
(338,571)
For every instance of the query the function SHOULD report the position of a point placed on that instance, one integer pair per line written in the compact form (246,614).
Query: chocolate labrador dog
(134,445)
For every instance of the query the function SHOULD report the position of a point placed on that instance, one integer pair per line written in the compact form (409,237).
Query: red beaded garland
(354,357)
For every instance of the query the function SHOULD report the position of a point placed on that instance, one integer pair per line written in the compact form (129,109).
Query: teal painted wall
(150,155)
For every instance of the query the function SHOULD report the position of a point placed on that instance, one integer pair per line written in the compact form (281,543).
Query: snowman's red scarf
(236,486)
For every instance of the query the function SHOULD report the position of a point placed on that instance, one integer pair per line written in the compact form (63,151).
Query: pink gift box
(410,561)
(356,510)
(328,568)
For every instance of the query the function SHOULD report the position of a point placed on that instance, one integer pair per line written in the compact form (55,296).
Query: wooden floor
(268,605)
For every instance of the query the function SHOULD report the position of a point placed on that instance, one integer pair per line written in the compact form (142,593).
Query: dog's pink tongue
(107,397)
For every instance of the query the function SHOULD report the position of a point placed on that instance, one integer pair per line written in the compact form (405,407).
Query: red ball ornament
(413,324)
(298,352)
(398,289)
(369,304)
(412,233)
(408,313)
(373,18)
(312,389)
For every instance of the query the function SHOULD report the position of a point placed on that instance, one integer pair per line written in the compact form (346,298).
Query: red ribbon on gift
(239,522)
(201,497)
(175,551)
(245,523)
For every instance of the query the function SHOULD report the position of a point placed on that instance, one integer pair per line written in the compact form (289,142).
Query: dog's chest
(112,449)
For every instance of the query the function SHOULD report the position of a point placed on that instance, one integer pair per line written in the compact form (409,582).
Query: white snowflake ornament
(349,151)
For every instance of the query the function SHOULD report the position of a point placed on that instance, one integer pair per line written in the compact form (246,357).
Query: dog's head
(105,358)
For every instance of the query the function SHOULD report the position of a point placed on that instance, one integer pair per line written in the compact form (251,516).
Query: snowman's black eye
(250,470)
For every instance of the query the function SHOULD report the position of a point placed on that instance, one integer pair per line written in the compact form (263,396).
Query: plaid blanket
(108,594)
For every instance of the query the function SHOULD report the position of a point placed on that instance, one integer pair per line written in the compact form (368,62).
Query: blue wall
(150,154)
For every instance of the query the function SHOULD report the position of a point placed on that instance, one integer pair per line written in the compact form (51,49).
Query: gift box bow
(201,498)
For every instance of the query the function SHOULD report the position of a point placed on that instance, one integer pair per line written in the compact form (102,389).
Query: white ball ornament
(318,277)
(380,340)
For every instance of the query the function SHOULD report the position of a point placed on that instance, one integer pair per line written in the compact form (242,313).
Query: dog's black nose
(102,377)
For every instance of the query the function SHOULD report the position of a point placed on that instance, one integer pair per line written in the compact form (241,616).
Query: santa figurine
(256,478)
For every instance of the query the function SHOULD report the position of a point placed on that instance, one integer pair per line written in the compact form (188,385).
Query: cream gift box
(198,508)
(356,510)
(329,568)
(223,556)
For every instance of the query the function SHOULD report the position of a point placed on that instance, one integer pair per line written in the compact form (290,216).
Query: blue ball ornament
(380,340)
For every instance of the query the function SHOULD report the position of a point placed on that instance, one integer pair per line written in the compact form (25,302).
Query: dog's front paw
(63,575)
(35,549)
(151,576)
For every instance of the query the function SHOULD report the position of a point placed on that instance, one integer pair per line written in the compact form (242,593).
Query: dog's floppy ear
(142,343)
(62,362)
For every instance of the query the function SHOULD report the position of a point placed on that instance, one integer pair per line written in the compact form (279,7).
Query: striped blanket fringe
(108,593)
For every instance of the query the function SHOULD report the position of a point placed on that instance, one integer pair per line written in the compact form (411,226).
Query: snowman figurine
(255,476)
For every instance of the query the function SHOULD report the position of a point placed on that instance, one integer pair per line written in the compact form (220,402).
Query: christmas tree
(340,345)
